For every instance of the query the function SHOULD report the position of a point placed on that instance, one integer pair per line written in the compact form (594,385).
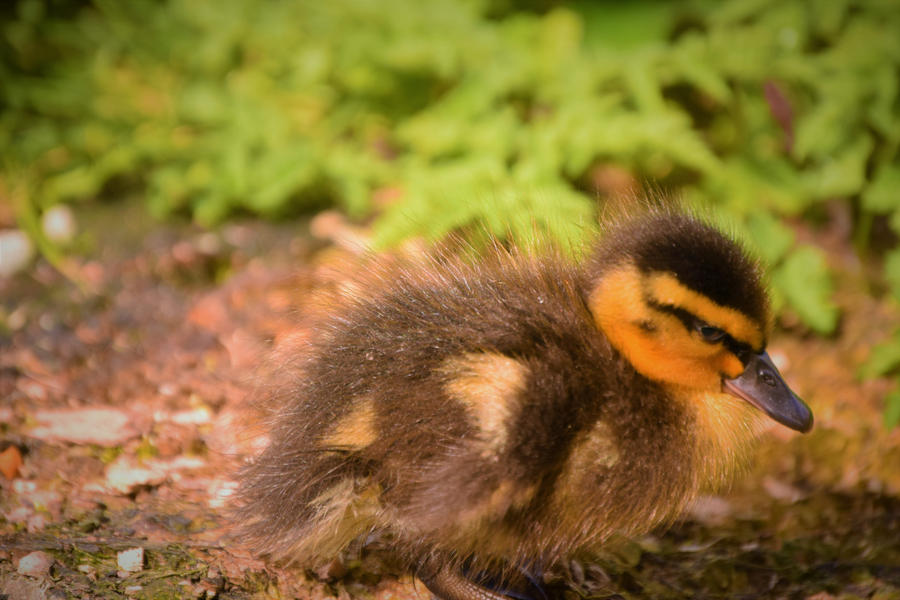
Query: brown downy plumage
(487,417)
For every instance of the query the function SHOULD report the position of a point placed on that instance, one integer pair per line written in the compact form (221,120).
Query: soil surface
(124,412)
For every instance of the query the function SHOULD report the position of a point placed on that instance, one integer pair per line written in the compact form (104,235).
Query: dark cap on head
(697,254)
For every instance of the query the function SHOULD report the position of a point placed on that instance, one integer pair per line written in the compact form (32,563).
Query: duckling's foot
(448,584)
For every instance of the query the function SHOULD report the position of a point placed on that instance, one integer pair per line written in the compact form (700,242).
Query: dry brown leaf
(10,462)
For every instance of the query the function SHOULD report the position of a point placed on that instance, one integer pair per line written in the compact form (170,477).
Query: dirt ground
(123,414)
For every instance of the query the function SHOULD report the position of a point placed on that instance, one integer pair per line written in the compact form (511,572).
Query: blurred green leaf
(845,173)
(771,237)
(892,271)
(882,195)
(807,287)
(825,129)
(829,16)
(892,409)
(625,25)
(884,359)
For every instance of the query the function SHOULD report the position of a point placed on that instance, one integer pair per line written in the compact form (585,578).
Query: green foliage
(804,282)
(479,115)
(892,410)
(884,359)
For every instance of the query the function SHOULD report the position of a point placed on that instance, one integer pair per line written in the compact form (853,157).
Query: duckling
(490,417)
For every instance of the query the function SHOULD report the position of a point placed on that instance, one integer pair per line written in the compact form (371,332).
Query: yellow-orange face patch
(657,342)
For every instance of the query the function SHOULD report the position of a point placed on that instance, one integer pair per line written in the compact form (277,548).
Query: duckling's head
(686,306)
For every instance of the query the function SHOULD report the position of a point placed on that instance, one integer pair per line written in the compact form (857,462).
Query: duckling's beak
(762,386)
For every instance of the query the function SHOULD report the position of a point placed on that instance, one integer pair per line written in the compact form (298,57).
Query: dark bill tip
(762,386)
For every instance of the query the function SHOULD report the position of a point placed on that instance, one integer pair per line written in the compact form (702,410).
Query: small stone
(220,491)
(101,426)
(16,251)
(782,490)
(180,463)
(125,475)
(206,589)
(59,224)
(710,510)
(167,389)
(195,416)
(23,588)
(208,243)
(131,560)
(19,515)
(23,487)
(37,522)
(133,589)
(36,564)
(43,499)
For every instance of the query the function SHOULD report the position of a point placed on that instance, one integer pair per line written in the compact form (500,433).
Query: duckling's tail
(307,512)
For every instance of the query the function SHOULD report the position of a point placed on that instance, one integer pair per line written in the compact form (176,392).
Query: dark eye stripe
(740,349)
(686,317)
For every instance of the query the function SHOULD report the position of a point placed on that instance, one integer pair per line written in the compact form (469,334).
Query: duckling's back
(470,412)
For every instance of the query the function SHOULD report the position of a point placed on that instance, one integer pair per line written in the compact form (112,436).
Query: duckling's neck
(725,429)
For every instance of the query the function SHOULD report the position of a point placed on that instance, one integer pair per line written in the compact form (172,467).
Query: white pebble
(23,486)
(130,560)
(59,224)
(220,491)
(124,475)
(196,416)
(36,564)
(101,426)
(16,251)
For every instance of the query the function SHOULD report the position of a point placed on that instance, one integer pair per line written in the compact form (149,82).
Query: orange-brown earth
(123,412)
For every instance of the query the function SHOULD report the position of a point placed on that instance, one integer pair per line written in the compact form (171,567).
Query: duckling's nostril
(778,401)
(764,374)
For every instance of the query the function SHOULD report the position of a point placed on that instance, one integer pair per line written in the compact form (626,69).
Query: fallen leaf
(10,462)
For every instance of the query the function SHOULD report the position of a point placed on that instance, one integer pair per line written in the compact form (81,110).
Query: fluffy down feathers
(473,413)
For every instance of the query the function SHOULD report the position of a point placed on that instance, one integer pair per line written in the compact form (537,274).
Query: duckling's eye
(709,333)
